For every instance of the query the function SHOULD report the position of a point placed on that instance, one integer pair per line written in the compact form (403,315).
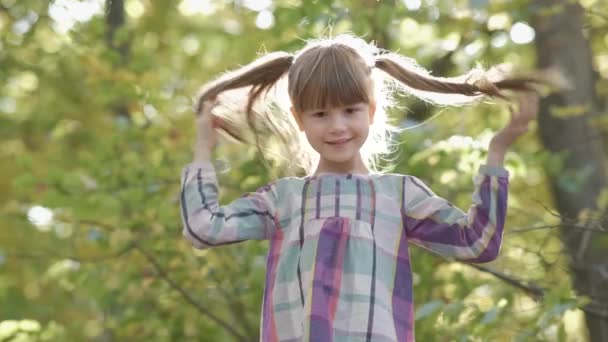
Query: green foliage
(99,137)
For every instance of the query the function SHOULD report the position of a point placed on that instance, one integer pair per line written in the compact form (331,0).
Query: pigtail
(473,85)
(250,82)
(260,75)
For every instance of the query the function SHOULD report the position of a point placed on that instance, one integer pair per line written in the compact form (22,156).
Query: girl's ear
(297,117)
(372,112)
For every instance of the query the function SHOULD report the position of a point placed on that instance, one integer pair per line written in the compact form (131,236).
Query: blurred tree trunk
(561,44)
(115,20)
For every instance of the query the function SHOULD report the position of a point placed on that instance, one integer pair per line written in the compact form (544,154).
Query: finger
(524,102)
(531,106)
(535,103)
(527,103)
(216,122)
(512,111)
(208,106)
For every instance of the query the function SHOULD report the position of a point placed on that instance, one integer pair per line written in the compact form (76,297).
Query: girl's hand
(206,136)
(520,118)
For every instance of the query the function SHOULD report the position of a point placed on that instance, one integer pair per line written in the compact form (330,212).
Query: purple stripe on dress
(447,234)
(402,302)
(431,230)
(372,296)
(402,299)
(269,331)
(327,272)
(501,201)
(301,231)
(493,248)
(319,329)
(358,212)
(337,204)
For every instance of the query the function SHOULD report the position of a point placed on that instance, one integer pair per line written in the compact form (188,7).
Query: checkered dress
(338,268)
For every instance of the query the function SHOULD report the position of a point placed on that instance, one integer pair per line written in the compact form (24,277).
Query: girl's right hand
(206,135)
(526,111)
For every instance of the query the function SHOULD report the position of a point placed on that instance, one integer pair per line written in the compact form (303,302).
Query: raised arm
(435,224)
(206,223)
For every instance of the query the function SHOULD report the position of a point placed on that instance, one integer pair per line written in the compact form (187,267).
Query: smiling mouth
(338,142)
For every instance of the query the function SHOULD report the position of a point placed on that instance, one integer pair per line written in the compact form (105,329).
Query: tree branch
(51,254)
(528,229)
(163,274)
(235,305)
(534,290)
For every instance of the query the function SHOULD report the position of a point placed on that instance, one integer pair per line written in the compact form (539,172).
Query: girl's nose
(337,123)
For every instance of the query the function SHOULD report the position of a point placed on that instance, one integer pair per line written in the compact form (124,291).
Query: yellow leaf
(568,111)
(600,122)
(602,199)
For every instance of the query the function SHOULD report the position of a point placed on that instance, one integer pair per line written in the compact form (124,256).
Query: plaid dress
(338,267)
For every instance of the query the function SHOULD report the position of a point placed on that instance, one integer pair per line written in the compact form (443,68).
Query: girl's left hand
(520,118)
(206,136)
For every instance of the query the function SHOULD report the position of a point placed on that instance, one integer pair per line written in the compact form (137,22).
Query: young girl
(338,268)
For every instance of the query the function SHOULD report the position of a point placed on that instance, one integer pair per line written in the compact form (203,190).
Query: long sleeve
(207,224)
(435,224)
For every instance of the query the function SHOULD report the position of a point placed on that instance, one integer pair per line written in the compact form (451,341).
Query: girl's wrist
(498,144)
(496,153)
(501,141)
(202,151)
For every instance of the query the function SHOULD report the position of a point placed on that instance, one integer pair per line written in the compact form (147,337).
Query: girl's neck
(355,167)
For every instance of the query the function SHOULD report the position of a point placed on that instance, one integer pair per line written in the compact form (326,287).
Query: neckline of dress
(343,175)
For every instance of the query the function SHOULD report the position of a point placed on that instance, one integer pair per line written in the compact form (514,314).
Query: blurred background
(96,124)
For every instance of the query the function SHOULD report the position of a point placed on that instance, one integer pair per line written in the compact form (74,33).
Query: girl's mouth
(339,142)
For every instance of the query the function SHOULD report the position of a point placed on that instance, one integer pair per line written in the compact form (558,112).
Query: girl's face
(337,134)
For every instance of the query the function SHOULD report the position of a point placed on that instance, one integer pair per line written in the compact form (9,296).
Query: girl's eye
(319,114)
(351,110)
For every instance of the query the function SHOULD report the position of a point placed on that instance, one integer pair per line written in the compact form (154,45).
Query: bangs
(329,77)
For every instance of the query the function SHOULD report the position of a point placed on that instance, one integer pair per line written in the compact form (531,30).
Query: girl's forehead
(334,80)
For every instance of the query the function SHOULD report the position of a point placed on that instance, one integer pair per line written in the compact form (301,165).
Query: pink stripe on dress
(269,329)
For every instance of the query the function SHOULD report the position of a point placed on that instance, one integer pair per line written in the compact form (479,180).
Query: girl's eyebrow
(317,110)
(312,111)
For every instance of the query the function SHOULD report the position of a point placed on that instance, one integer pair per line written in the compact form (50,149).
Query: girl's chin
(338,158)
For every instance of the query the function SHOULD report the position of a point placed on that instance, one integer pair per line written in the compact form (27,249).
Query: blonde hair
(329,73)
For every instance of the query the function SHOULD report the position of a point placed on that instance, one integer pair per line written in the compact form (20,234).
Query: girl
(338,267)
